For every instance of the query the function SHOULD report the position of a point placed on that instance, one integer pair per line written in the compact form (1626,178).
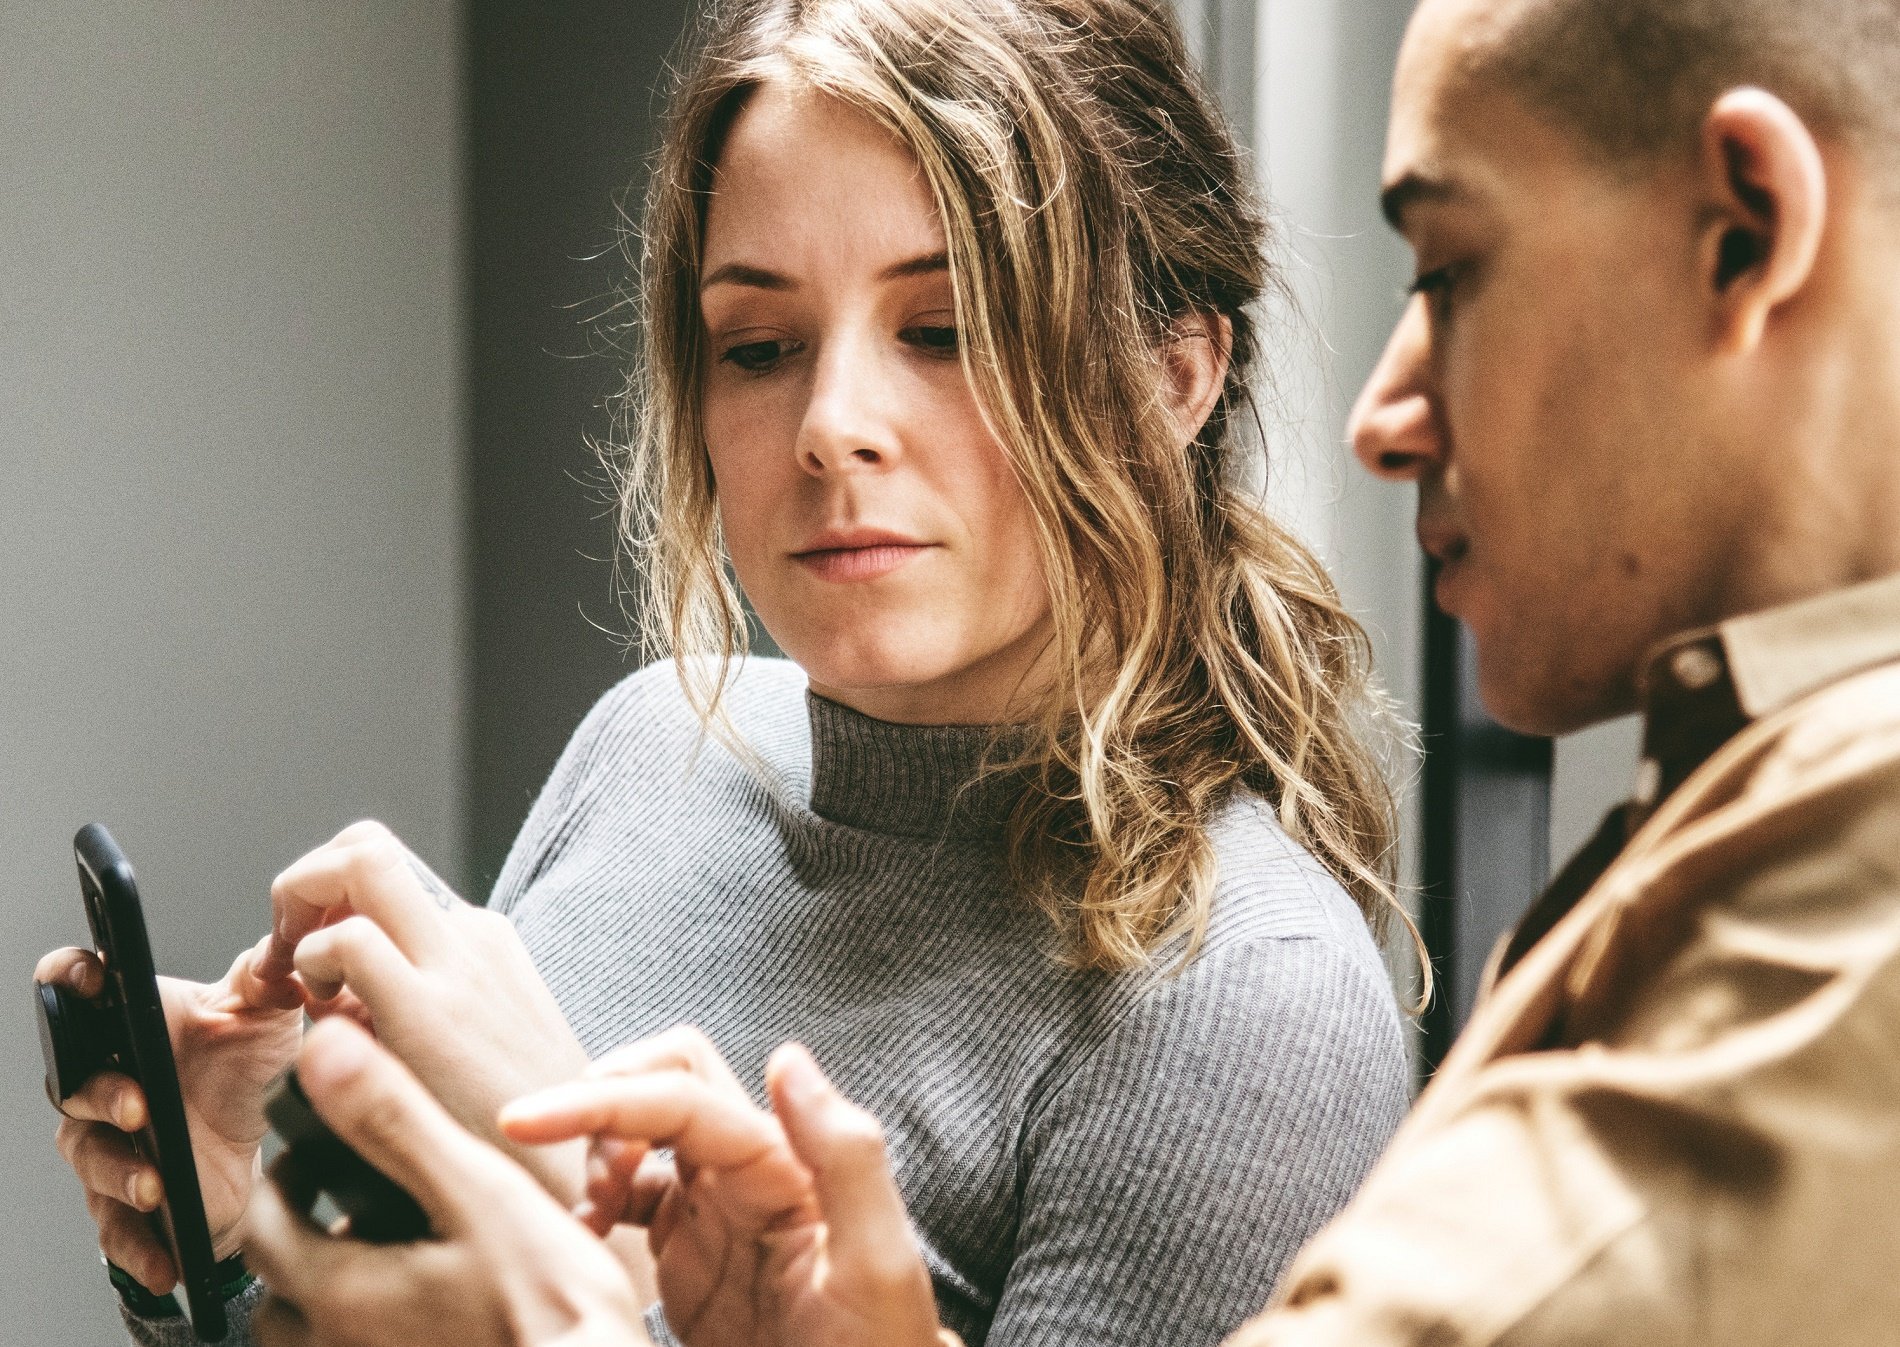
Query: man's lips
(1445,543)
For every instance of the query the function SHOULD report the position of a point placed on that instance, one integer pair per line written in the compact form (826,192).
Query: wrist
(228,1243)
(230,1278)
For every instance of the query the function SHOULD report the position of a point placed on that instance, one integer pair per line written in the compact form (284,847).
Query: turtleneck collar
(919,781)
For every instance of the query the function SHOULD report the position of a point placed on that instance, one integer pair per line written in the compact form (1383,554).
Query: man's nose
(849,421)
(1395,428)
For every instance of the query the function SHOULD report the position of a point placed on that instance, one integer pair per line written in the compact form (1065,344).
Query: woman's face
(873,519)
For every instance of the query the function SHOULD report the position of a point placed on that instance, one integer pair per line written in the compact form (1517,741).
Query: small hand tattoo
(431,884)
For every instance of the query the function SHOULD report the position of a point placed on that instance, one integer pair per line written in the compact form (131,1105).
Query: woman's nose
(850,421)
(1395,428)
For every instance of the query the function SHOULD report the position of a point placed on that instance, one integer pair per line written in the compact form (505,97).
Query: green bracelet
(232,1276)
(136,1298)
(232,1279)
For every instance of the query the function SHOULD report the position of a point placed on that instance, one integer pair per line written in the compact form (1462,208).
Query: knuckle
(376,854)
(891,1267)
(490,927)
(350,934)
(691,1042)
(382,1116)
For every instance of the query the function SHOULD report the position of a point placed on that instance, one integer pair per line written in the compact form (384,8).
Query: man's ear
(1769,211)
(1195,363)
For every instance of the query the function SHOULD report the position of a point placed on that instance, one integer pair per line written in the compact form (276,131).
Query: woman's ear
(1768,214)
(1195,363)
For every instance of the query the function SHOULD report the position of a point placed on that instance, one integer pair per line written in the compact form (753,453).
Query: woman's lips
(854,565)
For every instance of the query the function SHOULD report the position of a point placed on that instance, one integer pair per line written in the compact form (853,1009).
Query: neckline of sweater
(921,781)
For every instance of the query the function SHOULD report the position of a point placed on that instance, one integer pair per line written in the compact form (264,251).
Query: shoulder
(1288,965)
(1288,993)
(1270,890)
(643,743)
(1769,885)
(649,715)
(1843,736)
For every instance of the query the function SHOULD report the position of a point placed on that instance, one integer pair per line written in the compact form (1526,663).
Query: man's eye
(932,338)
(755,357)
(1435,285)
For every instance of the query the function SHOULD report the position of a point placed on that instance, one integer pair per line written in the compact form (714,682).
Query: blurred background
(304,328)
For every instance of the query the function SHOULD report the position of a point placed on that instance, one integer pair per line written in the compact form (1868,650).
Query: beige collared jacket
(1675,1117)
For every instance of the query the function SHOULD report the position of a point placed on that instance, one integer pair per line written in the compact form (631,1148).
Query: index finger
(705,1128)
(365,870)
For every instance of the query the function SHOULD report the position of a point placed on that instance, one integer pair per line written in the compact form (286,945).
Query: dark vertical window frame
(1486,822)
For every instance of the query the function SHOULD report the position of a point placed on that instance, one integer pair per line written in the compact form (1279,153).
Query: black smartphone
(317,1162)
(123,1029)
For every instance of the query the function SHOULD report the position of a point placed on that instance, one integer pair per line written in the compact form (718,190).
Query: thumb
(376,1106)
(867,1231)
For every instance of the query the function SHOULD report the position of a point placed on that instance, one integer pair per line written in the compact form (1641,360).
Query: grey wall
(562,102)
(1595,771)
(229,491)
(1323,75)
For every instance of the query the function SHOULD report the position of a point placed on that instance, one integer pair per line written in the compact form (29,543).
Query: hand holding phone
(226,1046)
(123,1029)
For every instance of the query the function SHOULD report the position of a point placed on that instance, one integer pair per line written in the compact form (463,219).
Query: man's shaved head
(1635,78)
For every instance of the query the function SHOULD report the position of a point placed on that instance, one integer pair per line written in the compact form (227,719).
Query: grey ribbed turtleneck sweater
(1088,1159)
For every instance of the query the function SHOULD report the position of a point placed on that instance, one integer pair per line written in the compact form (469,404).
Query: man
(1649,388)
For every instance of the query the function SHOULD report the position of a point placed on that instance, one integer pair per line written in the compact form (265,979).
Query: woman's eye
(930,337)
(756,357)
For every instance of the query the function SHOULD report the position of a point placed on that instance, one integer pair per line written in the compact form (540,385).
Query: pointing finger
(681,1048)
(364,869)
(868,1228)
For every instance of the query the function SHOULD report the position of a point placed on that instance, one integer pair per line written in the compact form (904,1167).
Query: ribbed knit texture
(1087,1158)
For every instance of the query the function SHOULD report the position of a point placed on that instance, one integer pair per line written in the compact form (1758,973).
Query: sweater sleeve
(1168,1182)
(176,1332)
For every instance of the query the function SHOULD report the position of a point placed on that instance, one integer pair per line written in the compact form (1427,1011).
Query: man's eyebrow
(1408,191)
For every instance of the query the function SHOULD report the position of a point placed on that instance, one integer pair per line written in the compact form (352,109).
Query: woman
(1053,839)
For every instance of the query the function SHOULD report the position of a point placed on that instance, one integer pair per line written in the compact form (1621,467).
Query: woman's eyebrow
(741,273)
(924,265)
(762,278)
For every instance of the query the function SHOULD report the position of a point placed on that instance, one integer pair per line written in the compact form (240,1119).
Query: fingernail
(76,977)
(800,1073)
(128,1112)
(142,1190)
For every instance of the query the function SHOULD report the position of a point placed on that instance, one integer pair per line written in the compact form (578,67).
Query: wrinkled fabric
(1675,1117)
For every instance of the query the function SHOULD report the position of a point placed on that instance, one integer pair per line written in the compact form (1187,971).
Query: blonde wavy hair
(1093,201)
